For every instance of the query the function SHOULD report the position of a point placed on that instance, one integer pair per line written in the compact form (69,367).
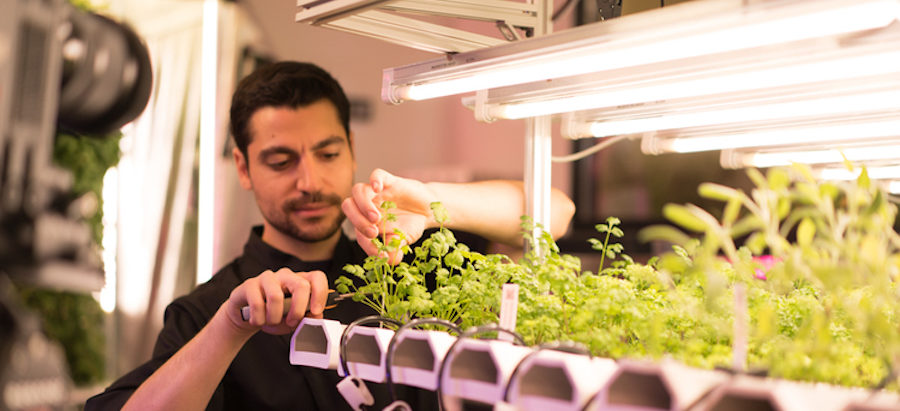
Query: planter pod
(645,386)
(315,343)
(556,380)
(479,370)
(875,401)
(365,349)
(747,392)
(417,357)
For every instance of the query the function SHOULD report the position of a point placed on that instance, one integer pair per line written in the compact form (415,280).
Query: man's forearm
(188,379)
(492,209)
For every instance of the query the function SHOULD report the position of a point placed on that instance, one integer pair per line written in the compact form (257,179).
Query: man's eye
(278,163)
(329,155)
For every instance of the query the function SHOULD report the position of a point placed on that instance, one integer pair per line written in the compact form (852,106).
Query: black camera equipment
(60,69)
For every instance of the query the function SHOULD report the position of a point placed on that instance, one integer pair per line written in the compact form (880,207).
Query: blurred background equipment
(60,69)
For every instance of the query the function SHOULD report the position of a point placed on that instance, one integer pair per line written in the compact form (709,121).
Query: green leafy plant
(822,300)
(828,307)
(464,278)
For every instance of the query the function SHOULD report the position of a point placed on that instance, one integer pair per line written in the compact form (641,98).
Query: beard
(310,230)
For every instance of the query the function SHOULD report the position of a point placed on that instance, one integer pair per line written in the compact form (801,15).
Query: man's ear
(242,168)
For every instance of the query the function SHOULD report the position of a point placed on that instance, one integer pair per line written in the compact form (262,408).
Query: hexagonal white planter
(646,386)
(417,357)
(315,343)
(743,391)
(366,348)
(877,401)
(555,380)
(478,370)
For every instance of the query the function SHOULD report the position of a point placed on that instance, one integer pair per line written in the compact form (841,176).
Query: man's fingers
(366,243)
(355,216)
(280,298)
(379,179)
(396,255)
(364,196)
(273,291)
(299,301)
(248,295)
(318,291)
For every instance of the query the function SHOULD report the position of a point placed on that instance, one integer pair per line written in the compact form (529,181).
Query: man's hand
(265,294)
(412,198)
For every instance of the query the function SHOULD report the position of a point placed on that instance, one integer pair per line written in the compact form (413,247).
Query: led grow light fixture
(382,19)
(874,100)
(893,187)
(699,28)
(839,131)
(821,63)
(857,154)
(889,172)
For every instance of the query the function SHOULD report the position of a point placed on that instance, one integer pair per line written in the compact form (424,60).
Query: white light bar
(826,105)
(894,187)
(836,63)
(891,172)
(857,154)
(692,29)
(841,131)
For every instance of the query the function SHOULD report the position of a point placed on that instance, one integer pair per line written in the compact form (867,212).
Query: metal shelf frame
(383,20)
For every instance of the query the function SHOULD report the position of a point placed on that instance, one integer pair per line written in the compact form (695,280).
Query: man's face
(300,167)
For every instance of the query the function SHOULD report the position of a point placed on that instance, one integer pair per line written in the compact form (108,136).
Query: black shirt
(261,376)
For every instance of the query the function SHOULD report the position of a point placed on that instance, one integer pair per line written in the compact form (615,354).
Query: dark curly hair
(283,84)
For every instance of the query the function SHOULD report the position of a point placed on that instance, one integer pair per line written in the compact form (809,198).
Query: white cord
(588,151)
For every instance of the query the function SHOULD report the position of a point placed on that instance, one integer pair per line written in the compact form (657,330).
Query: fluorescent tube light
(797,135)
(836,155)
(693,29)
(381,19)
(838,105)
(891,172)
(894,187)
(809,73)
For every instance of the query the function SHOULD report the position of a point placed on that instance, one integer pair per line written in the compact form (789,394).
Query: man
(294,150)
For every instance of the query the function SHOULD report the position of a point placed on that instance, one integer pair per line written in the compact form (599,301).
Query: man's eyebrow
(327,142)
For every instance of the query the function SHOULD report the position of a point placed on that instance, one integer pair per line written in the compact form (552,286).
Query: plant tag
(355,392)
(398,405)
(509,307)
(739,348)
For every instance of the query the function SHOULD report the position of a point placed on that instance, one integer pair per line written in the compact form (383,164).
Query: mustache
(312,198)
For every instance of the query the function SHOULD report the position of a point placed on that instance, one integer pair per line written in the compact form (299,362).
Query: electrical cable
(389,357)
(365,320)
(468,334)
(588,151)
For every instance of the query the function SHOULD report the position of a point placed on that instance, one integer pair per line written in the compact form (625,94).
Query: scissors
(330,302)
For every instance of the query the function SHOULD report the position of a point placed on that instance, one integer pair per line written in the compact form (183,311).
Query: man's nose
(308,176)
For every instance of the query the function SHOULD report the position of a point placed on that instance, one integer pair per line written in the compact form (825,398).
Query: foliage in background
(822,302)
(76,320)
(829,309)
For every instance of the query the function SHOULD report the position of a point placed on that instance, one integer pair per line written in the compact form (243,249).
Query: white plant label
(509,306)
(739,342)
